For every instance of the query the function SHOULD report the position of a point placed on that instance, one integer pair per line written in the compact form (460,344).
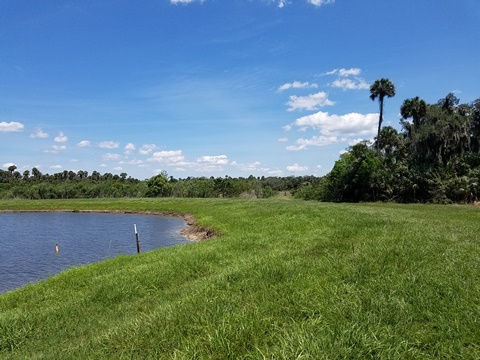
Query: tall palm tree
(380,89)
(415,108)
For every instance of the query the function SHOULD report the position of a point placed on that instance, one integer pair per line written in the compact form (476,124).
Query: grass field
(285,279)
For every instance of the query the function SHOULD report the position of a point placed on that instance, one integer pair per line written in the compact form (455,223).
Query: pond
(28,241)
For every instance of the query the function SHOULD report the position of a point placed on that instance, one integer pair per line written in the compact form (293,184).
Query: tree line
(71,185)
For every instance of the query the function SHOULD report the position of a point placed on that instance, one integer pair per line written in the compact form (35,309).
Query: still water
(28,240)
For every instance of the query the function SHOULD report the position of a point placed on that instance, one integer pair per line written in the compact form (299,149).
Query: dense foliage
(435,158)
(75,185)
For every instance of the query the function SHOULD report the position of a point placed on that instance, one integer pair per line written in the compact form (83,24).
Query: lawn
(284,279)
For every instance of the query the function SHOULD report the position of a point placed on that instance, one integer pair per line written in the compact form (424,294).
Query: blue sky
(219,87)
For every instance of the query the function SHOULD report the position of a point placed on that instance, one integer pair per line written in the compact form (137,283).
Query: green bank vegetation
(286,279)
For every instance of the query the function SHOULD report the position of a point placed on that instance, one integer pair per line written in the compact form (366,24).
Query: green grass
(285,280)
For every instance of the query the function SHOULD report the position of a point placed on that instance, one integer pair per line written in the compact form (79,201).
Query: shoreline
(191,231)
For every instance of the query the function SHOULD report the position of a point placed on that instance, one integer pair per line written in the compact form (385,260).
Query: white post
(137,237)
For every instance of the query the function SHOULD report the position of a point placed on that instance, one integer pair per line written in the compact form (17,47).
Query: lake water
(28,240)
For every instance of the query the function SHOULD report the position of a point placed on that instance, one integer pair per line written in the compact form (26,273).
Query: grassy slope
(286,280)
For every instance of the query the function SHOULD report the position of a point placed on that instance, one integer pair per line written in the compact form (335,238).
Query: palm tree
(380,89)
(415,108)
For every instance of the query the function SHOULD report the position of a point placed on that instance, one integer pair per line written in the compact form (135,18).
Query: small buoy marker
(56,249)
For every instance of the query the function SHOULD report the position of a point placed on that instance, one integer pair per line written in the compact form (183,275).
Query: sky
(219,87)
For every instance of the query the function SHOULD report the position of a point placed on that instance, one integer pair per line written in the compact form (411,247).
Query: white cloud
(319,3)
(274,172)
(297,85)
(147,149)
(11,126)
(84,143)
(7,165)
(310,102)
(349,84)
(61,138)
(39,133)
(55,149)
(111,156)
(355,141)
(297,168)
(349,72)
(213,160)
(248,167)
(345,81)
(171,157)
(302,143)
(296,147)
(287,127)
(129,148)
(135,162)
(353,124)
(109,145)
(56,167)
(118,168)
(284,139)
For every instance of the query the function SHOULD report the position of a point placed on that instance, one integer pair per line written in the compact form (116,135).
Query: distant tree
(12,168)
(36,174)
(380,89)
(159,185)
(414,108)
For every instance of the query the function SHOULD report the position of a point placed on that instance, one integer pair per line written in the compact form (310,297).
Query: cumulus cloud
(109,145)
(296,85)
(110,156)
(297,168)
(213,160)
(56,167)
(11,126)
(348,79)
(170,157)
(302,144)
(61,138)
(147,149)
(345,72)
(39,133)
(283,139)
(353,124)
(55,149)
(129,148)
(310,102)
(349,84)
(248,167)
(84,143)
(211,163)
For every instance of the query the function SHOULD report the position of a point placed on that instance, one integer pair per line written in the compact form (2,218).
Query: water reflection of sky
(28,240)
